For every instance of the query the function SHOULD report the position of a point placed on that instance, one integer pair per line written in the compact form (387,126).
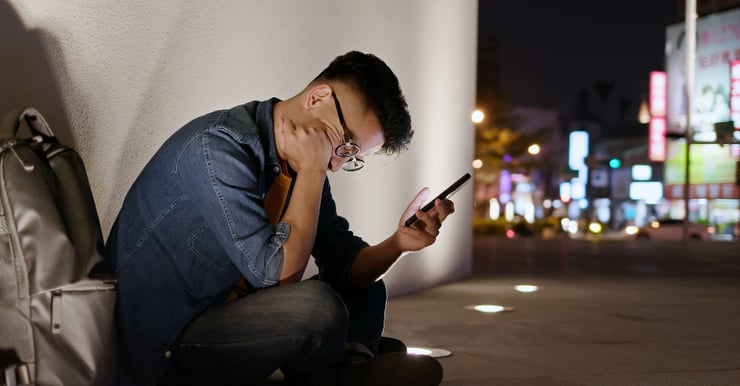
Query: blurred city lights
(494,209)
(526,288)
(477,164)
(565,190)
(529,212)
(477,116)
(643,116)
(572,227)
(534,149)
(509,211)
(595,227)
(577,148)
(565,224)
(631,230)
(642,172)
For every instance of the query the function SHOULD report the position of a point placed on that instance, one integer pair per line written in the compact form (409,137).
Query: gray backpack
(56,312)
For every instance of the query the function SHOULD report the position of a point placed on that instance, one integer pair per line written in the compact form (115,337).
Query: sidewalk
(581,329)
(601,324)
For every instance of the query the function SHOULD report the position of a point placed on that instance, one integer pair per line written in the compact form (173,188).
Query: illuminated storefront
(713,190)
(715,137)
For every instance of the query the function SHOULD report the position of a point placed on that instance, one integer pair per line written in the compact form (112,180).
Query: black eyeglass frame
(348,149)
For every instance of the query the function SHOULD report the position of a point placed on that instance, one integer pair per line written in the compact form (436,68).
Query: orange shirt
(274,203)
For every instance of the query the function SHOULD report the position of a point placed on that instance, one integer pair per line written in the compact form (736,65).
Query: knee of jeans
(327,320)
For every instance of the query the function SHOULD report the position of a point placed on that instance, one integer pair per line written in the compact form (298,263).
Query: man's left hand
(425,230)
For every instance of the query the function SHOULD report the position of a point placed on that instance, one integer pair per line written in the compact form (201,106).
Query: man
(213,238)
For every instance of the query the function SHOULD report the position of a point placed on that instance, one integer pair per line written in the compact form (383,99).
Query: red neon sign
(656,150)
(658,100)
(735,92)
(657,93)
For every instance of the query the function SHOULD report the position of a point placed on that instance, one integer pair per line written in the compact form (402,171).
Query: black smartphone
(444,195)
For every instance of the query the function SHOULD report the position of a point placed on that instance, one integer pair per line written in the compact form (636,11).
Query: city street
(606,313)
(605,256)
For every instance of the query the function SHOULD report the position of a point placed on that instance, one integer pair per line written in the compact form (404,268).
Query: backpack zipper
(10,145)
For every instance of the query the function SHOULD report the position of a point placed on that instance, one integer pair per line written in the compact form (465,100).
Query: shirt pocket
(206,251)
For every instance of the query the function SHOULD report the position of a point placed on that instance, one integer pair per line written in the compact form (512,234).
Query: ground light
(489,308)
(429,351)
(526,288)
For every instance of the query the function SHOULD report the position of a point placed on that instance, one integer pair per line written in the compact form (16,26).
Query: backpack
(56,309)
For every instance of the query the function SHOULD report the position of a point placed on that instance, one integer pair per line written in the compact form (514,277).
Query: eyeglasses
(348,149)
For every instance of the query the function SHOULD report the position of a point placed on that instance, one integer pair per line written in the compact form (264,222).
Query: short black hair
(376,82)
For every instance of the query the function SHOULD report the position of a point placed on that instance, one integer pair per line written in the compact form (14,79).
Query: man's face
(355,127)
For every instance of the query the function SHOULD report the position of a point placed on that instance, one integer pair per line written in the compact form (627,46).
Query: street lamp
(534,149)
(477,116)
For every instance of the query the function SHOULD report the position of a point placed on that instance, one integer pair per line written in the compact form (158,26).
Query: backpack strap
(35,121)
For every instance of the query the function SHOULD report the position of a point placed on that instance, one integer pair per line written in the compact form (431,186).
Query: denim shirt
(193,221)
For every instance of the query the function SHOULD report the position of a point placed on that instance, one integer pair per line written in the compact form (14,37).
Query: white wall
(116,78)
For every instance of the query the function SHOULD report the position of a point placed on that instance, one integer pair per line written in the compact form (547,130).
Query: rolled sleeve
(274,265)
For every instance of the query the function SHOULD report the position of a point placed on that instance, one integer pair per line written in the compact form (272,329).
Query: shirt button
(276,169)
(167,354)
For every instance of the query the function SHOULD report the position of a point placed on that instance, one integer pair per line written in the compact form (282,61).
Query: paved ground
(579,331)
(607,313)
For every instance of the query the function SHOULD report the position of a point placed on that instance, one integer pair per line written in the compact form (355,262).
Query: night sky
(549,50)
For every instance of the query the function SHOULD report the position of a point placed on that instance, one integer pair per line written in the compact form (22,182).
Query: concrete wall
(116,78)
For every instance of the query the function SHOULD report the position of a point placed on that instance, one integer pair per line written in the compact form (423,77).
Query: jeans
(297,328)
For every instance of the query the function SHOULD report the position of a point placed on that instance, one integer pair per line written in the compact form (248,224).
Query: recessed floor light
(429,351)
(526,288)
(489,308)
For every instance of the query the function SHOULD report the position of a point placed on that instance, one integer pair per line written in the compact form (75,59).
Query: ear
(317,95)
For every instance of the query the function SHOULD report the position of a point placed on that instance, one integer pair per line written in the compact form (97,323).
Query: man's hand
(304,148)
(373,262)
(307,150)
(424,231)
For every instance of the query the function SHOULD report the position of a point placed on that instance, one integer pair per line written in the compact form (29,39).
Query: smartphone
(444,195)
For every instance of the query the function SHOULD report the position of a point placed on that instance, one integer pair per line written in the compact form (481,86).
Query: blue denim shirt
(193,221)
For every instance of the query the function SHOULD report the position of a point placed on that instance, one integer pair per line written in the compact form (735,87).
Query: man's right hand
(305,148)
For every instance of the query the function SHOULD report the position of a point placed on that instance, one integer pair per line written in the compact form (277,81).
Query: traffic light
(615,163)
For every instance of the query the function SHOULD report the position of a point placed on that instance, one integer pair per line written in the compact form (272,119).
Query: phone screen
(447,193)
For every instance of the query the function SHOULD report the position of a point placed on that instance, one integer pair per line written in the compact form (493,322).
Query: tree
(501,146)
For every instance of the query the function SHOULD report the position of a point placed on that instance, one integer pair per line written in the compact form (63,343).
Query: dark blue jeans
(298,328)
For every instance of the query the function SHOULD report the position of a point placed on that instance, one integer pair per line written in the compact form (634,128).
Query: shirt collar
(266,128)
